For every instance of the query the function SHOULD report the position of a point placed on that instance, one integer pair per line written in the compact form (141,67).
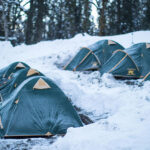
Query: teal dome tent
(132,63)
(36,107)
(94,56)
(15,79)
(12,68)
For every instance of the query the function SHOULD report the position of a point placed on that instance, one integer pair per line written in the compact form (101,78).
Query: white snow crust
(121,112)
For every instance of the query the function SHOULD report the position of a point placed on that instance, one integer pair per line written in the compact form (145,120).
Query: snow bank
(120,111)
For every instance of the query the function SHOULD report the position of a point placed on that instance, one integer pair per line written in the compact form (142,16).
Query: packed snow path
(120,111)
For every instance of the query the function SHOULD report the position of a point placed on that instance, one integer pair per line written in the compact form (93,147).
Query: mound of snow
(120,111)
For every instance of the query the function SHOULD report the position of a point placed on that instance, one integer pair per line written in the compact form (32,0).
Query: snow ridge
(120,111)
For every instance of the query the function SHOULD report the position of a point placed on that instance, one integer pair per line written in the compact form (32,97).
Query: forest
(32,21)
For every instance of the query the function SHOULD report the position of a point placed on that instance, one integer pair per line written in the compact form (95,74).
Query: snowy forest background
(32,21)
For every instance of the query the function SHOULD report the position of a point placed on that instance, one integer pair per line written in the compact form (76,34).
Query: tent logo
(131,72)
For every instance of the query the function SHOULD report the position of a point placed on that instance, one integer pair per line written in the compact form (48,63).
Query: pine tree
(29,27)
(146,15)
(4,10)
(122,21)
(102,20)
(102,10)
(87,25)
(39,25)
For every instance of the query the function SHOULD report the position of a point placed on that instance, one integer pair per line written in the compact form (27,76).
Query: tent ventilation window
(41,84)
(111,42)
(147,45)
(32,72)
(19,65)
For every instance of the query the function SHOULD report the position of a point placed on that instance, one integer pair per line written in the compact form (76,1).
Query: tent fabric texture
(33,105)
(94,56)
(131,63)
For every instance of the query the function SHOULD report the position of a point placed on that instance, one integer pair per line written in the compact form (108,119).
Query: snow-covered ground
(121,112)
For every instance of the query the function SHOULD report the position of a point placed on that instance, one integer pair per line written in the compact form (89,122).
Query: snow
(120,111)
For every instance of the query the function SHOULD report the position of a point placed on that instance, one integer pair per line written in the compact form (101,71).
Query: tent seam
(82,61)
(118,63)
(94,55)
(128,55)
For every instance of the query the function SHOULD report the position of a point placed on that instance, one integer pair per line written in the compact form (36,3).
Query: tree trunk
(118,16)
(39,21)
(4,17)
(102,19)
(29,28)
(5,26)
(86,21)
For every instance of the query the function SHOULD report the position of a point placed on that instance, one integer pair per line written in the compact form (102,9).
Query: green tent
(94,56)
(132,63)
(15,80)
(37,107)
(12,68)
